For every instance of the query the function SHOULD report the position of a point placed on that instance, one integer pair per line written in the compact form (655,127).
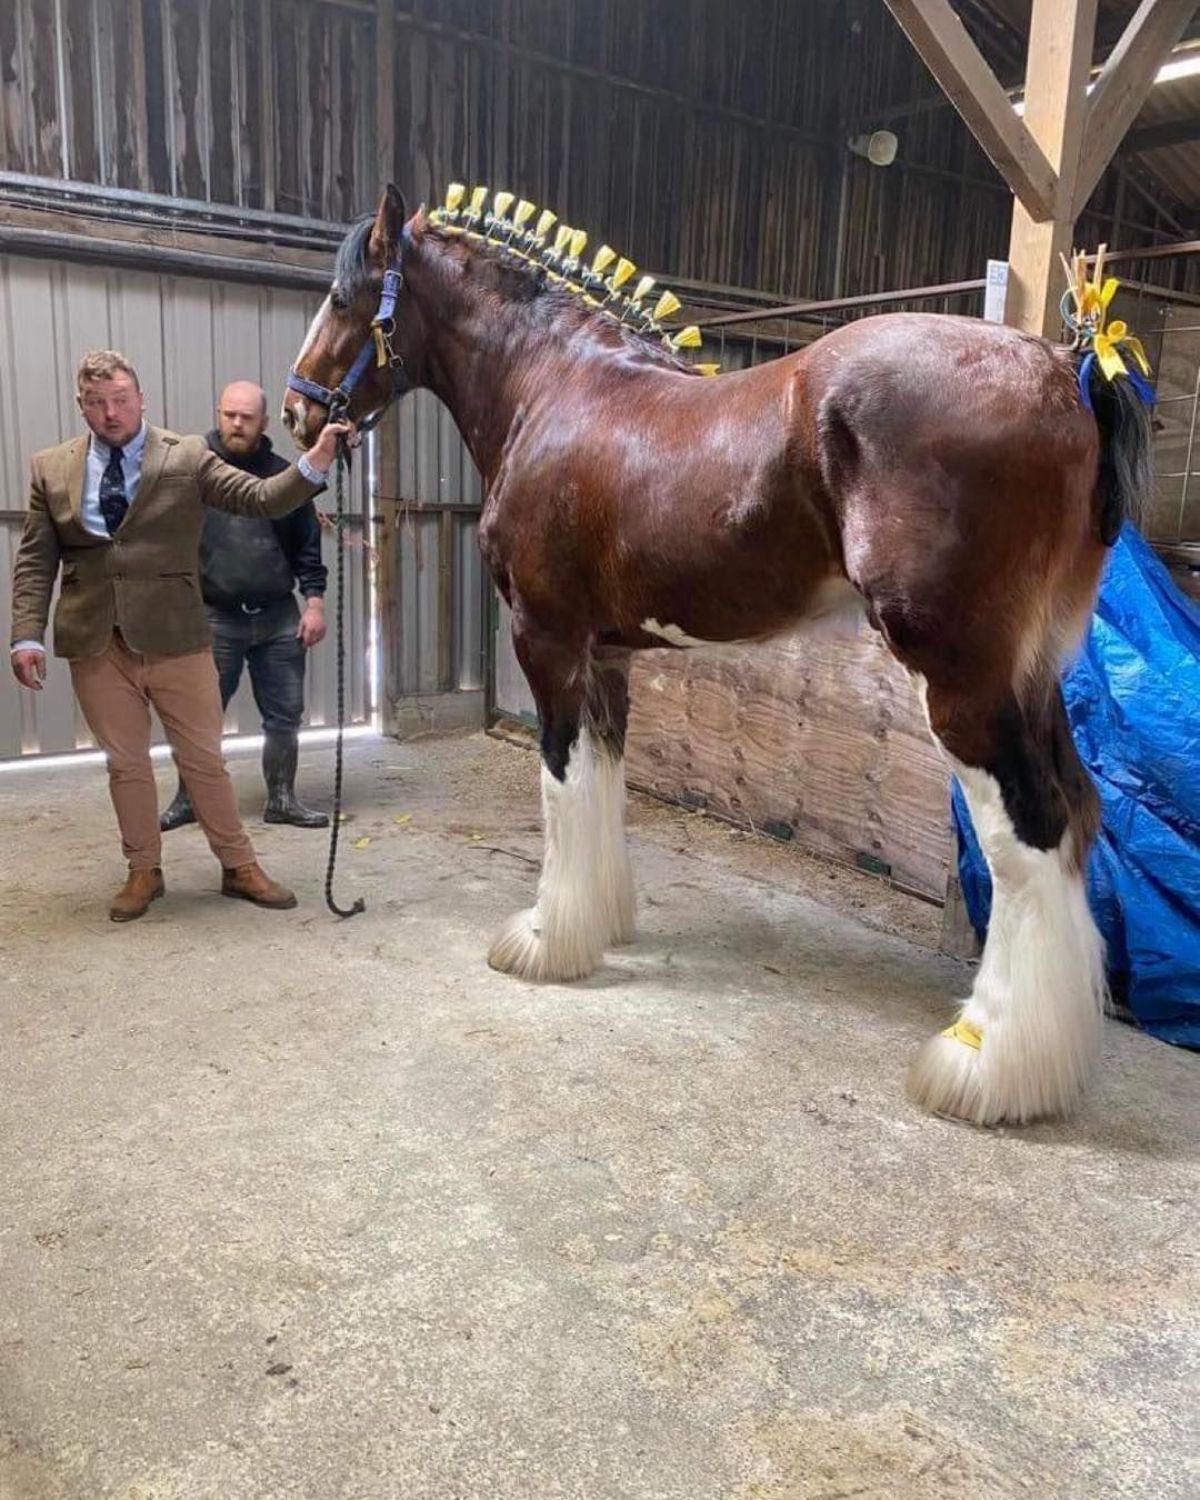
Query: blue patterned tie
(113,503)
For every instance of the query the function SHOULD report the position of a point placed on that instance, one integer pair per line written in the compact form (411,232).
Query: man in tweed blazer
(119,512)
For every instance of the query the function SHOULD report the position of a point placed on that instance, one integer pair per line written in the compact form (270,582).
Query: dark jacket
(259,562)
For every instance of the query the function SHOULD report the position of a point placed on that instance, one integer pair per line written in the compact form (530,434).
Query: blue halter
(378,345)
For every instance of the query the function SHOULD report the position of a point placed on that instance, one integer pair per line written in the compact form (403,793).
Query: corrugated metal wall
(434,596)
(187,337)
(705,139)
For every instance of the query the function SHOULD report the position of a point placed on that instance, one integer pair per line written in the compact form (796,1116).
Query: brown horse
(939,473)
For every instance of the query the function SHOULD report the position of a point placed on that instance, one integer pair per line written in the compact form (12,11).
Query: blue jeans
(266,642)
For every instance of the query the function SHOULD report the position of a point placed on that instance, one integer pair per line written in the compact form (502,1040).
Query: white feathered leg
(563,935)
(1029,1035)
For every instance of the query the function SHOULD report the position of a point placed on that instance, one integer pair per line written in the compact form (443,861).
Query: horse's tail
(1125,476)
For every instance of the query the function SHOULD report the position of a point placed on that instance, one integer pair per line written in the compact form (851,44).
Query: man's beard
(239,443)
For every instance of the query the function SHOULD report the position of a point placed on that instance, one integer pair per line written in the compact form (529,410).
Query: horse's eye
(337,301)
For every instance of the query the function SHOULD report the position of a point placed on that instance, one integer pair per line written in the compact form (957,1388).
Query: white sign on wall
(996,293)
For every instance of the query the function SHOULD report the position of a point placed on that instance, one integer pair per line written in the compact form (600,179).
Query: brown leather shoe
(134,898)
(252,883)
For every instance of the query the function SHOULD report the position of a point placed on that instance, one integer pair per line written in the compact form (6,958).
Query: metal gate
(187,336)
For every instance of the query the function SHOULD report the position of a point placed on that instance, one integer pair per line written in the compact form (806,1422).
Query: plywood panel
(820,738)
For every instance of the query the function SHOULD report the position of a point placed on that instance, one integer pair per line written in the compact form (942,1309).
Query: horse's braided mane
(521,277)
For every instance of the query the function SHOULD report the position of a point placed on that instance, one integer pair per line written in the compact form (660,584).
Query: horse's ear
(389,220)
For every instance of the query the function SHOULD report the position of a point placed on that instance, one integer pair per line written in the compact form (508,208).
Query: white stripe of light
(1185,66)
(161,752)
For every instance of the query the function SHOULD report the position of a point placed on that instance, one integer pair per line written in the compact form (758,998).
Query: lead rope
(343,459)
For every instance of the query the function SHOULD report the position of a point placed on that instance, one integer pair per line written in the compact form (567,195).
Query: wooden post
(1060,53)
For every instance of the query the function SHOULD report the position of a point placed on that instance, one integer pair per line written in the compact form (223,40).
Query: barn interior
(295,1206)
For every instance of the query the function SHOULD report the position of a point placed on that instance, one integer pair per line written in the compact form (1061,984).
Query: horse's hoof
(977,1083)
(520,948)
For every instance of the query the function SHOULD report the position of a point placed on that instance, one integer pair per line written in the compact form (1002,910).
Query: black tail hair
(1125,476)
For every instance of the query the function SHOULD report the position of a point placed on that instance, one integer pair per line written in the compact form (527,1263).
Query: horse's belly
(833,603)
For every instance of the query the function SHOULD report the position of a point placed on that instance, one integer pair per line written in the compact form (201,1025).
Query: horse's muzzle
(302,418)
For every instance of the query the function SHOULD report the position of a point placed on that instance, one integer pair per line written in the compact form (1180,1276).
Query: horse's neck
(481,383)
(482,362)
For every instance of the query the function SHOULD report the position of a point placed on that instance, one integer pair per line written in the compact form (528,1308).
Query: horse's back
(952,376)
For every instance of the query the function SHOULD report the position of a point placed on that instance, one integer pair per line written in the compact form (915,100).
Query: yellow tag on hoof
(966,1032)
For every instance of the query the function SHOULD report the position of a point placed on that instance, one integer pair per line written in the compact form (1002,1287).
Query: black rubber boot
(281,751)
(179,812)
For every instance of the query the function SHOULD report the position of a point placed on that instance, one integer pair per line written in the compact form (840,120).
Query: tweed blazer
(143,579)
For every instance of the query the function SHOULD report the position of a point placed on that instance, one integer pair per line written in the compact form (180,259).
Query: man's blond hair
(103,364)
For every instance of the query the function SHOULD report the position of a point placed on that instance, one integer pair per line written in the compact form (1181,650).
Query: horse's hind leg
(585,895)
(1030,1031)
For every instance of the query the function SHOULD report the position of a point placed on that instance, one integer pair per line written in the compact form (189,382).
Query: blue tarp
(1133,699)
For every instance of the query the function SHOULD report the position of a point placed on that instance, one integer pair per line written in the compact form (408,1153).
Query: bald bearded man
(249,571)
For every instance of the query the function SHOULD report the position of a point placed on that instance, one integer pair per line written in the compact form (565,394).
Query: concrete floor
(290,1208)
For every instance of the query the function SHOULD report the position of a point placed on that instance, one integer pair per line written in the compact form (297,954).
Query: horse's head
(358,355)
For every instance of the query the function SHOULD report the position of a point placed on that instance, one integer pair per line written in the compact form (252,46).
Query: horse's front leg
(585,895)
(606,717)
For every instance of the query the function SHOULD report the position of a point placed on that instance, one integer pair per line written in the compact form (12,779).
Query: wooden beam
(1155,137)
(1061,35)
(971,86)
(1123,84)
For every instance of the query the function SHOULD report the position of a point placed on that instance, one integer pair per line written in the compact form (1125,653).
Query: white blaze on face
(314,328)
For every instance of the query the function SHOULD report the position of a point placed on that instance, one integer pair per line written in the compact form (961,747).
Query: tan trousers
(116,692)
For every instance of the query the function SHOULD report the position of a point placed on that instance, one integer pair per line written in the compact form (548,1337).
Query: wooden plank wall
(261,103)
(706,139)
(817,737)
